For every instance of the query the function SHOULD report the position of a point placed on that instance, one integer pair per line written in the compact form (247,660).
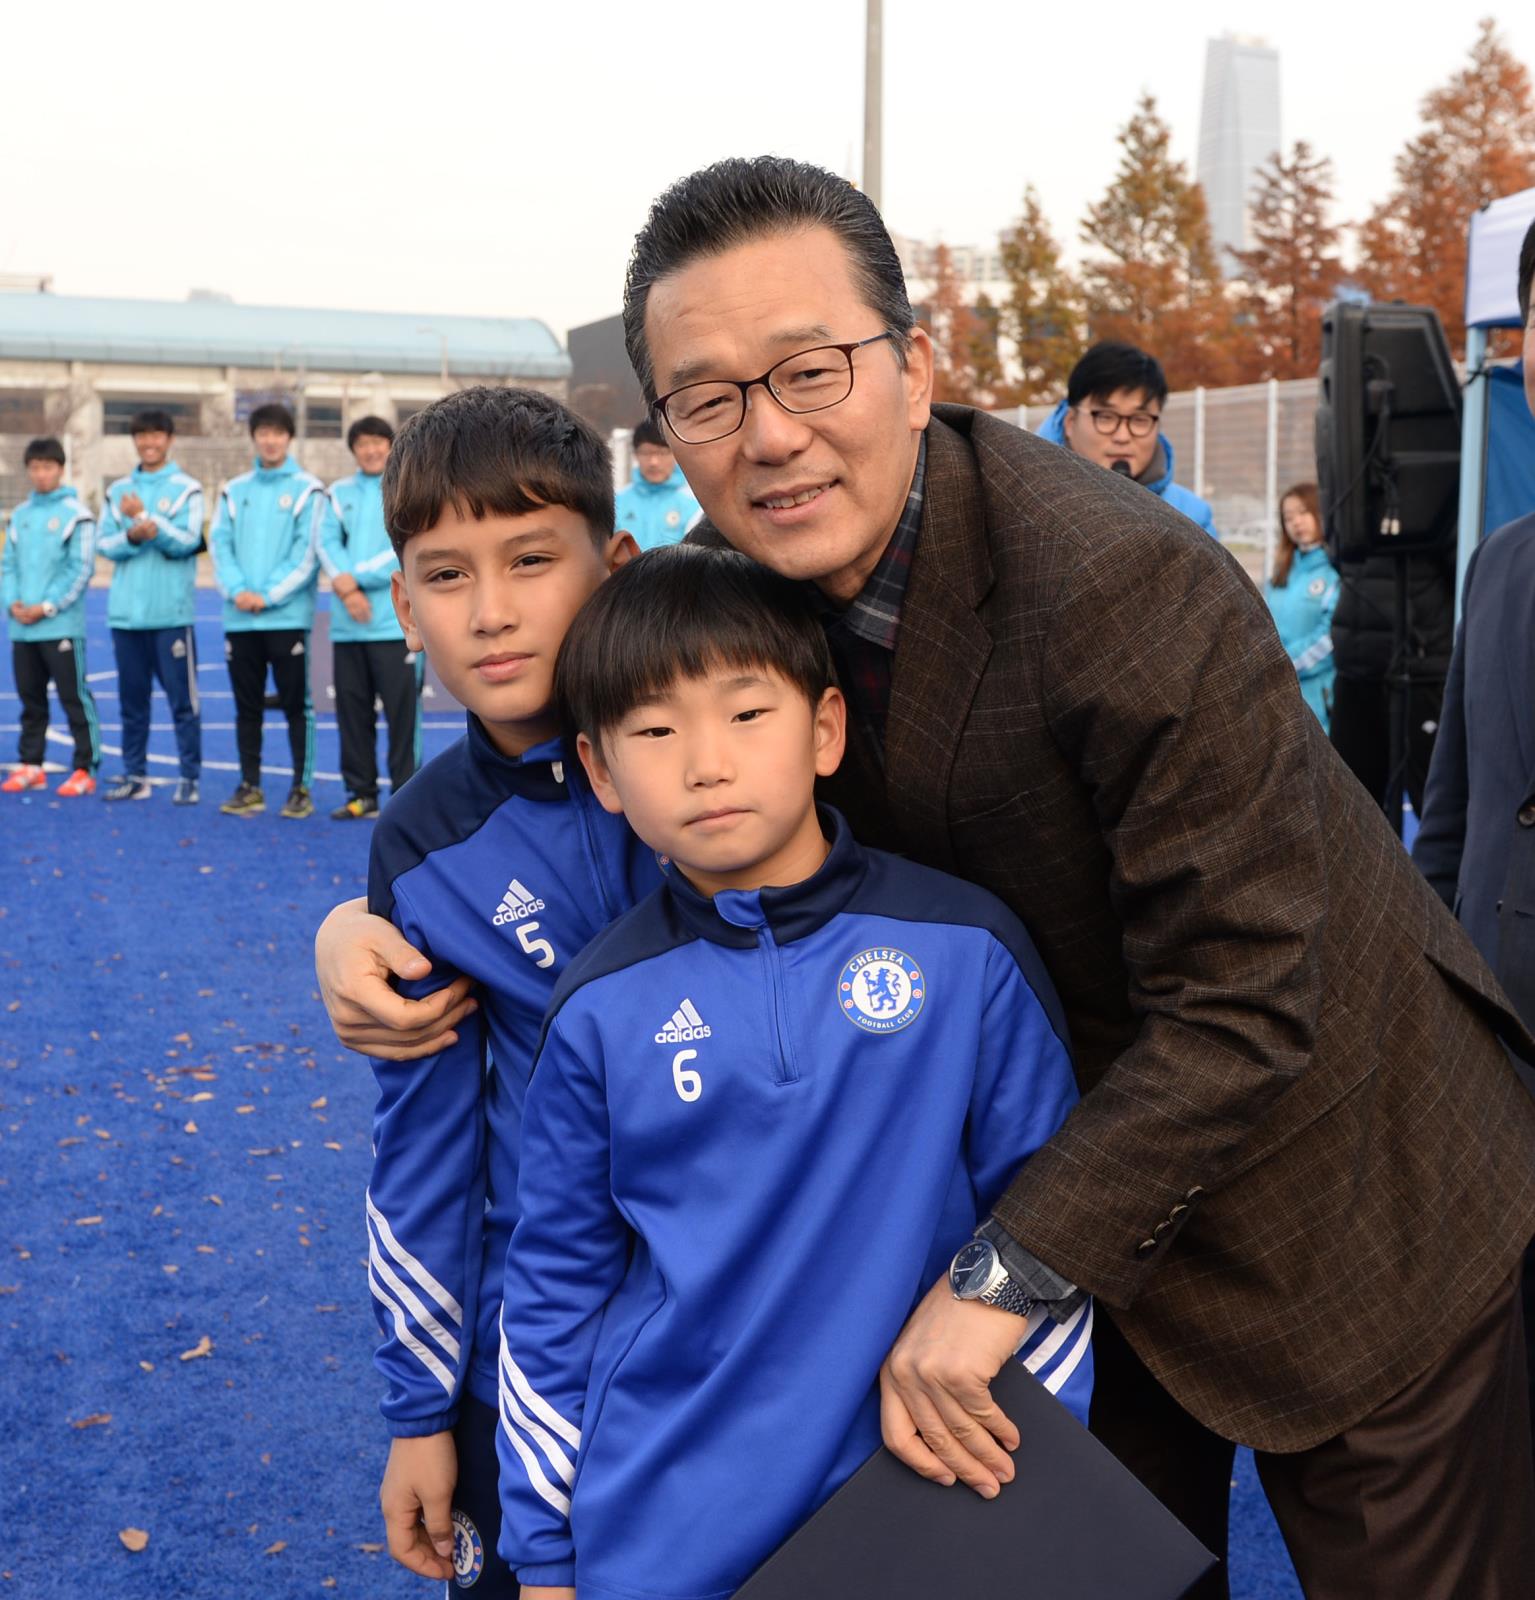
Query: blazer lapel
(942,647)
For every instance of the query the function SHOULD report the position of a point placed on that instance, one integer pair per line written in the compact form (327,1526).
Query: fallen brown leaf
(190,1127)
(202,1094)
(203,1347)
(86,1222)
(320,1104)
(368,1549)
(148,1366)
(276,1547)
(95,1420)
(134,1538)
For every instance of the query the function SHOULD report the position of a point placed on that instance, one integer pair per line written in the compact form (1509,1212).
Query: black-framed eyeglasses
(1142,424)
(809,380)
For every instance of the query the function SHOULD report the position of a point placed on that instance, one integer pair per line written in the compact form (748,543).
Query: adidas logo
(685,1024)
(516,904)
(179,649)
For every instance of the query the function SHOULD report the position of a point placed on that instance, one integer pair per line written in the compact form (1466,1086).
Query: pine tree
(1043,313)
(1477,144)
(951,324)
(1154,281)
(1292,270)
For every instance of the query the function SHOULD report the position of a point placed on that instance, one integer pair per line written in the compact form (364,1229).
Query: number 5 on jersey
(540,950)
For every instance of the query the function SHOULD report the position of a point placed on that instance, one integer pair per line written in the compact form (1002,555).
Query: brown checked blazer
(1302,1160)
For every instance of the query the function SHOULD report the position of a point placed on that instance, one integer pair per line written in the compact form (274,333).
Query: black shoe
(355,809)
(127,788)
(186,793)
(298,804)
(246,801)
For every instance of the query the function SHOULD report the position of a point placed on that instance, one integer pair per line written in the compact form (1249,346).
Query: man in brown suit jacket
(1302,1171)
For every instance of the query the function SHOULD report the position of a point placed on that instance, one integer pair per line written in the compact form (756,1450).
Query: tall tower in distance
(1238,133)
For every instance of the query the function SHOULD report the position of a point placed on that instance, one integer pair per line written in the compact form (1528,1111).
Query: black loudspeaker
(1387,431)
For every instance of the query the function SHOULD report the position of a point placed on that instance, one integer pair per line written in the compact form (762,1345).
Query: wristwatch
(977,1273)
(49,609)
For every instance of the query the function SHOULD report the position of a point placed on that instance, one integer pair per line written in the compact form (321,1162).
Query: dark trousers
(1361,733)
(1432,1495)
(368,671)
(477,1507)
(169,655)
(36,662)
(286,652)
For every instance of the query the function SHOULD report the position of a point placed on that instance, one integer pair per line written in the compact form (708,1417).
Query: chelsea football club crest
(468,1552)
(285,500)
(165,503)
(881,991)
(53,524)
(1317,587)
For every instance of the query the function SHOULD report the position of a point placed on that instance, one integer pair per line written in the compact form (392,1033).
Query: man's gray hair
(744,199)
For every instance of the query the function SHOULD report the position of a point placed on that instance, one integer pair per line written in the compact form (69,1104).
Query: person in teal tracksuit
(1302,594)
(657,507)
(265,541)
(370,659)
(1112,416)
(50,554)
(152,528)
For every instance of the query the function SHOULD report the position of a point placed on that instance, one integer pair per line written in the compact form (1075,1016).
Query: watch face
(972,1269)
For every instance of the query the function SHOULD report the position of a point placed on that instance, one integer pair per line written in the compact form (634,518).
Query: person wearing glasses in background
(1112,416)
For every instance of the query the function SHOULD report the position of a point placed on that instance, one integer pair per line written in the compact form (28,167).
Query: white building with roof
(79,368)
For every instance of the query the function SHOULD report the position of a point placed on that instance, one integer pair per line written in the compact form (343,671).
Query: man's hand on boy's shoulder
(416,1498)
(544,1592)
(355,956)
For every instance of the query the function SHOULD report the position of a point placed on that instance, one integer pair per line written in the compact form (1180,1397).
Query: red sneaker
(77,783)
(24,778)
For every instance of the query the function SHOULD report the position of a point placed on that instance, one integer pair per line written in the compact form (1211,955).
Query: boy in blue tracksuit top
(496,862)
(152,528)
(265,544)
(46,567)
(370,659)
(702,1284)
(656,505)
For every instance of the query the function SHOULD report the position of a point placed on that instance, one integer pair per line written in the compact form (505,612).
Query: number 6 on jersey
(689,1084)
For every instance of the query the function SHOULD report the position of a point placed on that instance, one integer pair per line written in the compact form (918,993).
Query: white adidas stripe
(535,1402)
(407,1338)
(424,1318)
(690,1012)
(417,1271)
(1058,1336)
(541,1485)
(540,1436)
(1057,1379)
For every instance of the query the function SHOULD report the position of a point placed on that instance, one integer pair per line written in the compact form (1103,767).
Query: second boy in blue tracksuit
(701,1289)
(152,528)
(370,660)
(265,544)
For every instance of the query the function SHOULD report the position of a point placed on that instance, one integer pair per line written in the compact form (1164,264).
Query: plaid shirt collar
(875,614)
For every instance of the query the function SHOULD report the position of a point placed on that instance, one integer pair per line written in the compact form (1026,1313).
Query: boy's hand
(936,1410)
(142,532)
(249,600)
(27,614)
(544,1592)
(416,1498)
(355,955)
(130,505)
(357,606)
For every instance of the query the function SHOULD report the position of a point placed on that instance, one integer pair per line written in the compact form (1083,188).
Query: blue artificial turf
(183,1153)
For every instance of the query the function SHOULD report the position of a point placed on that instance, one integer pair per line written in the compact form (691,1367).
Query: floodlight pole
(873,108)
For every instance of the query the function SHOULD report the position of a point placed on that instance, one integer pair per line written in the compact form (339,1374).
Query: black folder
(1072,1525)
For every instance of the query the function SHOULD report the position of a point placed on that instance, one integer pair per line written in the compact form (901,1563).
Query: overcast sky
(498,158)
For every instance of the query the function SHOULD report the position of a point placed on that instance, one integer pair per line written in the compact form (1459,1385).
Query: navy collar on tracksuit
(792,912)
(542,772)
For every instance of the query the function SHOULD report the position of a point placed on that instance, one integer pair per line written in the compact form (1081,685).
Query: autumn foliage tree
(958,336)
(1293,269)
(1153,280)
(1477,143)
(1043,313)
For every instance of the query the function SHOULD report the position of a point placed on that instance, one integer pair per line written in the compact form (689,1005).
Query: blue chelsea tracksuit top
(154,584)
(265,537)
(353,540)
(500,869)
(758,1129)
(49,556)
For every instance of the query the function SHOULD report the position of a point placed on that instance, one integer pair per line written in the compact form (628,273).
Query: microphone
(1122,467)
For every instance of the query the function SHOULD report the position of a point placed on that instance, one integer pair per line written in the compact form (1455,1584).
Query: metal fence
(1238,448)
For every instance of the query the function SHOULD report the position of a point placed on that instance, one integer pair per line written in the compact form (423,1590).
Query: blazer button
(1176,1212)
(1194,1193)
(1527,814)
(1145,1247)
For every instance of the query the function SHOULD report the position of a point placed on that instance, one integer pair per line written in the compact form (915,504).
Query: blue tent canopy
(1497,457)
